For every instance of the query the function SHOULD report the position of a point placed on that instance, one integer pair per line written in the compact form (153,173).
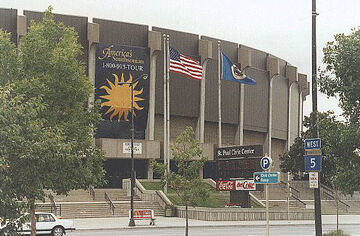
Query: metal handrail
(298,199)
(52,204)
(344,203)
(292,188)
(111,204)
(327,188)
(295,195)
(92,191)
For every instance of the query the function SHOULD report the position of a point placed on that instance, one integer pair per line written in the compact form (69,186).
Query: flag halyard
(185,65)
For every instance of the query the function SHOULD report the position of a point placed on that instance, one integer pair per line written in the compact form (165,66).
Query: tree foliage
(342,74)
(46,127)
(341,162)
(186,181)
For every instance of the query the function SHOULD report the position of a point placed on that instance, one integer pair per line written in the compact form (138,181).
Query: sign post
(266,178)
(265,164)
(313,166)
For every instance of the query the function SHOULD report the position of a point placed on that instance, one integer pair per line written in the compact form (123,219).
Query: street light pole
(132,222)
(132,175)
(317,197)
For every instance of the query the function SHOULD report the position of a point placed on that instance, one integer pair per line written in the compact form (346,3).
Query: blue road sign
(265,163)
(313,143)
(312,163)
(266,177)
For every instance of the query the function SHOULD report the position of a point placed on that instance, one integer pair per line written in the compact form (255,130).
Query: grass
(336,233)
(217,199)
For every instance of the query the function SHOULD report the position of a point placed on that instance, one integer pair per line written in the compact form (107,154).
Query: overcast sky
(279,27)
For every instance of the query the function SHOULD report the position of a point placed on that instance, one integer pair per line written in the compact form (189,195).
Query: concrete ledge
(231,214)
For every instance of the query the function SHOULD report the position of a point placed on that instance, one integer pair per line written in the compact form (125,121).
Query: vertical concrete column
(273,68)
(303,84)
(305,92)
(154,43)
(21,28)
(150,170)
(244,59)
(93,36)
(205,52)
(292,76)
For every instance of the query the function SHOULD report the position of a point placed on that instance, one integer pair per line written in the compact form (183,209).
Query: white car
(46,223)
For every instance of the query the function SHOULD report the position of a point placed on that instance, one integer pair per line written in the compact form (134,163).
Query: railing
(111,204)
(92,191)
(46,207)
(294,193)
(53,204)
(332,197)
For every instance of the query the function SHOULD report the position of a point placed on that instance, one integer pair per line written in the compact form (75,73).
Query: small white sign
(314,179)
(137,148)
(245,185)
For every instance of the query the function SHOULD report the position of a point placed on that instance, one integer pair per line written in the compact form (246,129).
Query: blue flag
(232,73)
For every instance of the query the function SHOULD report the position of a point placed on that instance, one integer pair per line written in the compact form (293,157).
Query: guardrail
(111,204)
(92,191)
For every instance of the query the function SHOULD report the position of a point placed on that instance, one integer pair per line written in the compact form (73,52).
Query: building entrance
(119,169)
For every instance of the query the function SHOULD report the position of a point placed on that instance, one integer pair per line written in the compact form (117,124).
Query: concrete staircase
(80,204)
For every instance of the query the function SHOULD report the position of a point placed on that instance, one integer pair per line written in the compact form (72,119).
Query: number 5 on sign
(312,163)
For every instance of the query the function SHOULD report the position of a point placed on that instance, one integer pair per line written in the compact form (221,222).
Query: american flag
(185,65)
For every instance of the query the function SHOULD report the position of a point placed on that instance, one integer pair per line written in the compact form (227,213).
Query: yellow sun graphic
(119,97)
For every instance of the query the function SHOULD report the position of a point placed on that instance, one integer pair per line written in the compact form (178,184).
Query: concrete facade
(268,114)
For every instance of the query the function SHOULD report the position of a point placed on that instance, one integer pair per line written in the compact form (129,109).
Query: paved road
(279,230)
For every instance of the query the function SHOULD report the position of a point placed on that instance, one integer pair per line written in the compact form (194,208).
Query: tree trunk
(186,220)
(32,218)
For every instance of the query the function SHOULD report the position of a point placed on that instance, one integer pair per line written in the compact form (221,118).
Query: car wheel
(57,231)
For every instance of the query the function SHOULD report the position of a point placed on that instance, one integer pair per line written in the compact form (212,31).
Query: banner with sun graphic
(118,66)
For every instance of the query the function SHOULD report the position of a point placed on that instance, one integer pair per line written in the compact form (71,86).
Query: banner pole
(219,91)
(165,107)
(168,102)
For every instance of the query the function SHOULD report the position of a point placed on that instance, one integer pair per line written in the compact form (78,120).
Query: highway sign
(265,162)
(313,143)
(266,177)
(314,180)
(312,163)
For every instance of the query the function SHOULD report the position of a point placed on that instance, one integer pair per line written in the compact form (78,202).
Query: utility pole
(317,199)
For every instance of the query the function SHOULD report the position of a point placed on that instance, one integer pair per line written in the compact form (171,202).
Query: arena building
(272,110)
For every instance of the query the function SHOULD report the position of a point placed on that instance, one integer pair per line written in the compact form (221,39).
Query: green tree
(46,126)
(341,162)
(341,77)
(186,181)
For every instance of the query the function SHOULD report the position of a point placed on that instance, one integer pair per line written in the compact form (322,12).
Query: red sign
(245,185)
(225,185)
(142,214)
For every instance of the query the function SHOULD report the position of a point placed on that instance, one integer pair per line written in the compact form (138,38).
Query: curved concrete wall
(185,93)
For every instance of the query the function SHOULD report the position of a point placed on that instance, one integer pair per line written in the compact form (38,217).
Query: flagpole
(168,102)
(219,91)
(165,107)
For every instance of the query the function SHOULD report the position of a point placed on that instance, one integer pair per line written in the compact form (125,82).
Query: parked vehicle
(46,223)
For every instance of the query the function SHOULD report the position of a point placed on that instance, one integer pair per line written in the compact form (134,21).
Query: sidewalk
(175,222)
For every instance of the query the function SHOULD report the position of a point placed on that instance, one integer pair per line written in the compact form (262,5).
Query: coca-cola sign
(225,185)
(245,185)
